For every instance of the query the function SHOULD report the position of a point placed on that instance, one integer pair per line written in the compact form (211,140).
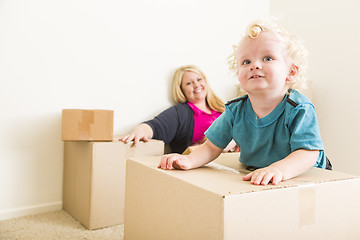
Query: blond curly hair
(296,50)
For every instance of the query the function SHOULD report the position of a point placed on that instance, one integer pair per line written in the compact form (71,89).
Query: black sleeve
(165,125)
(174,126)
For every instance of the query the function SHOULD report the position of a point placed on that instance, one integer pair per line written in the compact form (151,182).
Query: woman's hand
(174,161)
(232,147)
(142,132)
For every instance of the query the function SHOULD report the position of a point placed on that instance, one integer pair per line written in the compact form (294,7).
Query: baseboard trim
(30,210)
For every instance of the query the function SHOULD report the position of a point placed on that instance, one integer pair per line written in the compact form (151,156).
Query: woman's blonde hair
(296,51)
(213,101)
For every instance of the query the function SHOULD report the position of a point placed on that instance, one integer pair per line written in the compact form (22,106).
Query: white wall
(332,34)
(111,54)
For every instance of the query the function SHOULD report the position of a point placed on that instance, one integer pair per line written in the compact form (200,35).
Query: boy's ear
(293,71)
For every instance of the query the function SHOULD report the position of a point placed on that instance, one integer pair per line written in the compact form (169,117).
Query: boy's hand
(265,175)
(175,161)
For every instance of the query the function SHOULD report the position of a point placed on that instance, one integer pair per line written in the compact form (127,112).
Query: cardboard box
(94,179)
(212,202)
(87,125)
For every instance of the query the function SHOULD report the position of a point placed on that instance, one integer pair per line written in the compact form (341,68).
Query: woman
(184,124)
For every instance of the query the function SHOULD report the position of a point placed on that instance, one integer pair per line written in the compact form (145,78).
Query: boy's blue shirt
(292,125)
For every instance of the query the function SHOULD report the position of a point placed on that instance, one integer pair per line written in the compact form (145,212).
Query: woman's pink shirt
(202,122)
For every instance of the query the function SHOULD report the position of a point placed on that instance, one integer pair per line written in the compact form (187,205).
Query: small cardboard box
(94,179)
(87,125)
(213,202)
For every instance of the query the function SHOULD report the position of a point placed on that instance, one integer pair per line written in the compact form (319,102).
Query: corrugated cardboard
(87,125)
(213,202)
(94,179)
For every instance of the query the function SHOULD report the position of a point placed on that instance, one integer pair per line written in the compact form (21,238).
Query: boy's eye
(199,79)
(267,59)
(246,62)
(188,83)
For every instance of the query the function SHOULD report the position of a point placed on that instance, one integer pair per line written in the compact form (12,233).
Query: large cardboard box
(213,202)
(94,179)
(87,125)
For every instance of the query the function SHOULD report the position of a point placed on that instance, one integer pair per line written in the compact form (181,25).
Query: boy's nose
(255,66)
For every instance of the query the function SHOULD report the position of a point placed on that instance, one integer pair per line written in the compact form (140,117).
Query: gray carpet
(52,226)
